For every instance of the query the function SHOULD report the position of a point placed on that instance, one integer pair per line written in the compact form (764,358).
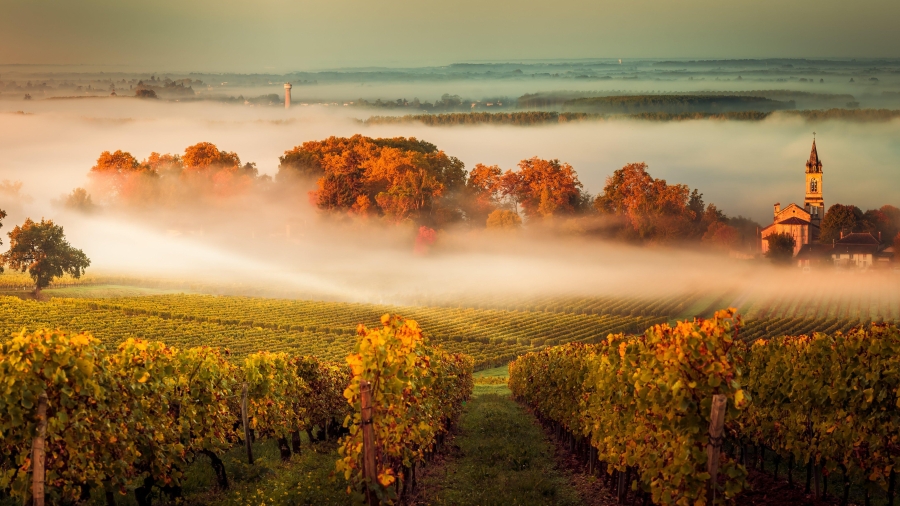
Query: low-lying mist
(285,243)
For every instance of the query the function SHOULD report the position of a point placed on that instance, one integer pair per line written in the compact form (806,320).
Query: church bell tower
(814,203)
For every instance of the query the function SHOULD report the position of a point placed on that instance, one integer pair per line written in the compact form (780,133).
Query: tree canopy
(398,178)
(781,248)
(842,219)
(651,209)
(41,250)
(203,174)
(503,219)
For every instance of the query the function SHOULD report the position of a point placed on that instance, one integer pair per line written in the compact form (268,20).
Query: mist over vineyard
(742,167)
(512,282)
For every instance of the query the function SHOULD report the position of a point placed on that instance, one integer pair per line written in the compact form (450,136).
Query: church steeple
(814,202)
(814,164)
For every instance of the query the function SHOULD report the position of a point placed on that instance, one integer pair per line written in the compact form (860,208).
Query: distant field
(493,331)
(324,329)
(105,291)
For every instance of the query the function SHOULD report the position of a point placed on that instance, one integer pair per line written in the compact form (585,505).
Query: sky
(275,36)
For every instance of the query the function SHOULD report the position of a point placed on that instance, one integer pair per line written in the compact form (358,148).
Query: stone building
(802,223)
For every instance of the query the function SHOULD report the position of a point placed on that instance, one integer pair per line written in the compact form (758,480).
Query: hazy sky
(287,35)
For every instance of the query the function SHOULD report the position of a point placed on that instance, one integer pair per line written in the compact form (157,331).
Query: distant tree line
(407,180)
(674,104)
(528,118)
(548,117)
(202,175)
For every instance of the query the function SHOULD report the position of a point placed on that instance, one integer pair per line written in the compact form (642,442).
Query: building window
(814,185)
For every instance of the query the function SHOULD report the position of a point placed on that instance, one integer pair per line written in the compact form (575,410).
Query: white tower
(287,95)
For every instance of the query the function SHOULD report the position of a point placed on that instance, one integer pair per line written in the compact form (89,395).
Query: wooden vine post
(246,424)
(368,433)
(713,449)
(37,453)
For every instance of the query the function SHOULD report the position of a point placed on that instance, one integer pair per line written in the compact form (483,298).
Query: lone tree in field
(781,248)
(41,249)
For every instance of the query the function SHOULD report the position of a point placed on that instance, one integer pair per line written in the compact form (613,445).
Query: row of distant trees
(409,180)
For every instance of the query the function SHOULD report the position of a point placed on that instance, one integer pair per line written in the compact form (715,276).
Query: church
(803,223)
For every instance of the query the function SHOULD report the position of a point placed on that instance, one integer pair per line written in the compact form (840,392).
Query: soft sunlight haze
(277,35)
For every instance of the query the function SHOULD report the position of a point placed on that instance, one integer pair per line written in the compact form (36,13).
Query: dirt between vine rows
(765,490)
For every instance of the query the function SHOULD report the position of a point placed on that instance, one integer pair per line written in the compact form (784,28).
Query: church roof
(856,238)
(814,164)
(793,221)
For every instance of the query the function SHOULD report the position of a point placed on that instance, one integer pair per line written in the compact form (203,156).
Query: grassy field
(500,457)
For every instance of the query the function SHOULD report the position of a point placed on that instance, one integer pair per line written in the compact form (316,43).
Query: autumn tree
(164,164)
(884,222)
(485,191)
(781,248)
(41,250)
(2,216)
(651,208)
(205,156)
(546,188)
(398,178)
(504,219)
(720,235)
(118,176)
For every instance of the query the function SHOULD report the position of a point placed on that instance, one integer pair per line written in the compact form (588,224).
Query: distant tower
(814,203)
(287,95)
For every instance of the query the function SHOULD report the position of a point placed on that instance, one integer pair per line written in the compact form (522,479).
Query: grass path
(499,457)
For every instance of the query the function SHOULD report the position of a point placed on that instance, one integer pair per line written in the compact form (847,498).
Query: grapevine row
(828,400)
(644,402)
(137,415)
(417,393)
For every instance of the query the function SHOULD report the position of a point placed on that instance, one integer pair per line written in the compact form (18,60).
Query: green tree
(41,249)
(781,248)
(842,219)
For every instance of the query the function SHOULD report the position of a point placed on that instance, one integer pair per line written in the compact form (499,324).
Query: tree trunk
(791,470)
(296,441)
(809,473)
(284,449)
(219,468)
(142,493)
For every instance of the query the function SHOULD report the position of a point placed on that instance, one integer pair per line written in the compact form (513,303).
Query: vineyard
(324,329)
(640,406)
(80,419)
(493,330)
